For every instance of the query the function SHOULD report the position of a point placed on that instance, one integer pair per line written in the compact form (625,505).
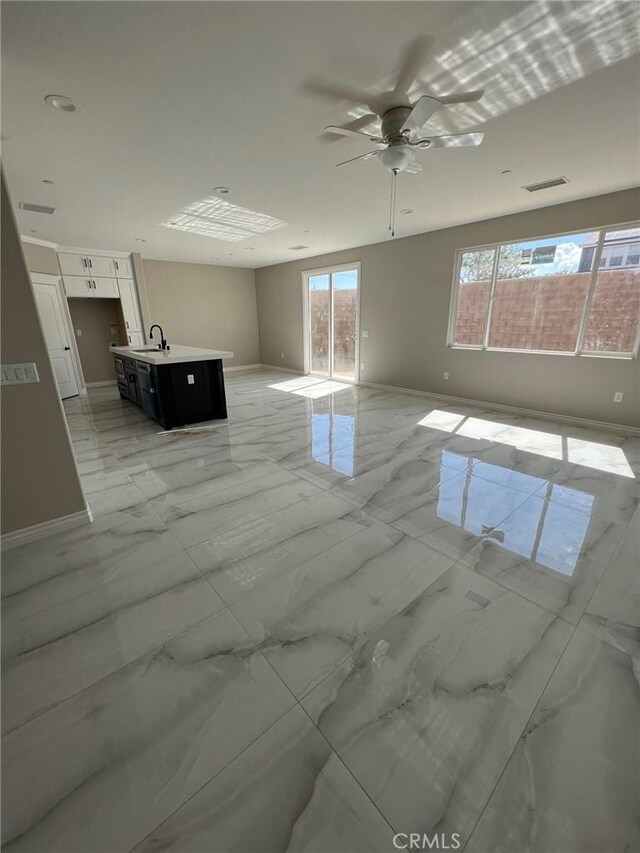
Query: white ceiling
(177,98)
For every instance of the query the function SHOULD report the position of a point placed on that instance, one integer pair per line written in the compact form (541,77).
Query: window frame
(595,269)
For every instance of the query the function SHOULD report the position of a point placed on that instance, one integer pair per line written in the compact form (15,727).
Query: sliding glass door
(331,322)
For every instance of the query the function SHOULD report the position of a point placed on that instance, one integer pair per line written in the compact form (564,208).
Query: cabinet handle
(89,283)
(116,263)
(84,263)
(90,264)
(127,322)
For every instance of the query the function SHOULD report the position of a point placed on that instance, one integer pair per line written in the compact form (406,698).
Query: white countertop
(176,354)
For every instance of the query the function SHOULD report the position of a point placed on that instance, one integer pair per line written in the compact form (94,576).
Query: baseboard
(101,384)
(239,367)
(45,528)
(517,410)
(282,369)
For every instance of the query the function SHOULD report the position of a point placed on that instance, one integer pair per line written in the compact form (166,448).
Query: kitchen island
(175,386)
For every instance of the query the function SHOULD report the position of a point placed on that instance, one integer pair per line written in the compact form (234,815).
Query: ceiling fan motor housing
(392,122)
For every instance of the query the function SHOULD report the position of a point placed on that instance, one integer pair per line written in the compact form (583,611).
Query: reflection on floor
(342,614)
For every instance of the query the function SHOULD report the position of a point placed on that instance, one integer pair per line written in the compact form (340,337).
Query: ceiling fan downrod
(392,203)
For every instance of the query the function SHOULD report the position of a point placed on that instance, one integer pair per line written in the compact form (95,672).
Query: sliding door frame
(306,332)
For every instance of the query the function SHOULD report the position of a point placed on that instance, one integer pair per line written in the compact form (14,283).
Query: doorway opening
(331,322)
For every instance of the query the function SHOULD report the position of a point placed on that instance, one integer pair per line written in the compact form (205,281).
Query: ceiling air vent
(297,248)
(545,185)
(36,208)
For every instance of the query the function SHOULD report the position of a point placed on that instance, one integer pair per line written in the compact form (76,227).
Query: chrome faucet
(163,341)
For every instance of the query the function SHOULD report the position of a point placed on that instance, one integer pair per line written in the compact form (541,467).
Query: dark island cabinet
(174,394)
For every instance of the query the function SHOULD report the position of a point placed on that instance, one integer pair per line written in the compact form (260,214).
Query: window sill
(472,348)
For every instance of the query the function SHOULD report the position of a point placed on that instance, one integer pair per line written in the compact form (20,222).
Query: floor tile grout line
(151,651)
(519,738)
(215,775)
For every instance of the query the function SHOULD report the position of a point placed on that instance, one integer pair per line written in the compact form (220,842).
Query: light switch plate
(20,374)
(618,397)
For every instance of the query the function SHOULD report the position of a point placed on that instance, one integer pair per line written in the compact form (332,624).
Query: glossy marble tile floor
(342,614)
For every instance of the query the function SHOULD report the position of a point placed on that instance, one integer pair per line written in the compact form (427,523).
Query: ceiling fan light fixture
(396,158)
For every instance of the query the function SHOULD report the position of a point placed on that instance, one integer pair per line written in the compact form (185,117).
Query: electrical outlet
(78,333)
(365,333)
(190,379)
(445,376)
(361,366)
(618,397)
(281,355)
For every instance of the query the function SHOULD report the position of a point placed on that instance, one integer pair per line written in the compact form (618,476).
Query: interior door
(56,338)
(332,300)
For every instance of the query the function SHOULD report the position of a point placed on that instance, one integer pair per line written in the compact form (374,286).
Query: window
(576,293)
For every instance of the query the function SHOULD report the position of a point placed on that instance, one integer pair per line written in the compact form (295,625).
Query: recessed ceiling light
(249,249)
(506,172)
(61,102)
(47,182)
(222,190)
(307,232)
(34,230)
(407,211)
(139,240)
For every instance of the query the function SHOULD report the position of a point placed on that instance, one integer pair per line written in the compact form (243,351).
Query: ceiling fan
(402,120)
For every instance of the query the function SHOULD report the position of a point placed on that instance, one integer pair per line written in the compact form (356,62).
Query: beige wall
(205,306)
(406,290)
(95,318)
(39,477)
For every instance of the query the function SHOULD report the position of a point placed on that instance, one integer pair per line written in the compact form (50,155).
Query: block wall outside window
(545,296)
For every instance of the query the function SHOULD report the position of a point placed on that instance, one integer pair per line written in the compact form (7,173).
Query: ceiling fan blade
(453,140)
(347,131)
(412,63)
(462,97)
(422,111)
(361,157)
(357,124)
(342,94)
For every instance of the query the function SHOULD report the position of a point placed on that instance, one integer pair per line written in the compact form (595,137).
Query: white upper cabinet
(107,288)
(130,308)
(102,287)
(73,264)
(92,265)
(123,267)
(75,285)
(99,265)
